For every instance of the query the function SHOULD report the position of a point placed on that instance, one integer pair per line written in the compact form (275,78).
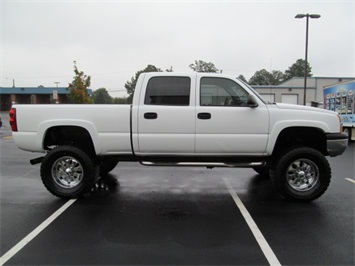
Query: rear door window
(173,91)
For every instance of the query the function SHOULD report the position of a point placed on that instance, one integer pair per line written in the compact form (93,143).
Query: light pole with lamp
(305,63)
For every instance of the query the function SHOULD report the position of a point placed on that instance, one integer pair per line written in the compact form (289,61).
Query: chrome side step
(203,164)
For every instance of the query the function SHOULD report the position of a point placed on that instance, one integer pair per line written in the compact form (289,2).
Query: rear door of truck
(166,115)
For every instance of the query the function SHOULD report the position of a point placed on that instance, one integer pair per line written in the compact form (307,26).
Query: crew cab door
(166,115)
(225,124)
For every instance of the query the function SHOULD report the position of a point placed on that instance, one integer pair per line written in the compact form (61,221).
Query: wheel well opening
(302,136)
(68,135)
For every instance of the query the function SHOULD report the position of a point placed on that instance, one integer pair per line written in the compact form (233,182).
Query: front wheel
(68,172)
(301,174)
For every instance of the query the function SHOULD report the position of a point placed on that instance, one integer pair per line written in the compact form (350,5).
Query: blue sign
(341,99)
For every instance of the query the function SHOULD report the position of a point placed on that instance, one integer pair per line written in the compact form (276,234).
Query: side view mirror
(252,103)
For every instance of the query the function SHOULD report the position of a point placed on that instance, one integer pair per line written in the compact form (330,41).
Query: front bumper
(336,143)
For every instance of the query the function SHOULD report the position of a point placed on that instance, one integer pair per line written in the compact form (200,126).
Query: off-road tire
(301,174)
(68,172)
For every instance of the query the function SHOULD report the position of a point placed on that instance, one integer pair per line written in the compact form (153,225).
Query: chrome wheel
(67,172)
(302,175)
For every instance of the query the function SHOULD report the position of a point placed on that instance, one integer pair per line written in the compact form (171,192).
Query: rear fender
(88,126)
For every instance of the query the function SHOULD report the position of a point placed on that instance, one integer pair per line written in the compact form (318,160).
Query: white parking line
(34,233)
(269,254)
(351,180)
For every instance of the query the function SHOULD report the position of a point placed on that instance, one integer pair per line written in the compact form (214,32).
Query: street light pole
(307,16)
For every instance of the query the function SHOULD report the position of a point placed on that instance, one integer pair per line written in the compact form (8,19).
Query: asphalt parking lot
(172,216)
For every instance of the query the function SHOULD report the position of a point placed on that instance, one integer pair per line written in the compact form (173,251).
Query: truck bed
(108,125)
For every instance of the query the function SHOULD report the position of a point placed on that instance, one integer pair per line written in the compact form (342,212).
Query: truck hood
(301,108)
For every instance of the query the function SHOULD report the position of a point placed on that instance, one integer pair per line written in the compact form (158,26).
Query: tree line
(78,88)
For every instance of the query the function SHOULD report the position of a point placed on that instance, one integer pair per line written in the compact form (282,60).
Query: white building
(291,91)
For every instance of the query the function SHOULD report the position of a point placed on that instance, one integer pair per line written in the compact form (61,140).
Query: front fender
(282,125)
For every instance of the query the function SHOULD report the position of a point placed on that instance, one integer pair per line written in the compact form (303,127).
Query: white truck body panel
(232,130)
(173,132)
(108,125)
(288,115)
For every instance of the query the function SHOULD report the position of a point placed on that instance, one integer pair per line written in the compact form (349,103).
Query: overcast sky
(111,40)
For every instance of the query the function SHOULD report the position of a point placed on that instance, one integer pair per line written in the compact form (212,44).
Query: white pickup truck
(194,119)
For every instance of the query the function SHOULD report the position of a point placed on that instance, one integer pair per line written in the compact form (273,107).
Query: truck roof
(187,74)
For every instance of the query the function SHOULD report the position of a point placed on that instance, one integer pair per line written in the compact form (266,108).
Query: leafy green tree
(297,70)
(78,87)
(202,66)
(261,77)
(120,100)
(264,77)
(130,85)
(101,96)
(277,77)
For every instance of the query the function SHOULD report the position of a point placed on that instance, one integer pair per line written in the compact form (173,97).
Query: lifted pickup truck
(194,119)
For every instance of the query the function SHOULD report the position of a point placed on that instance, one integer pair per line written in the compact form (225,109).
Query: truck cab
(197,114)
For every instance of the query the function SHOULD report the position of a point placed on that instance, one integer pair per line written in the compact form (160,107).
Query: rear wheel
(68,172)
(301,174)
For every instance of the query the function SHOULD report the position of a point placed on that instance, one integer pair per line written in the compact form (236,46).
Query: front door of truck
(166,116)
(225,124)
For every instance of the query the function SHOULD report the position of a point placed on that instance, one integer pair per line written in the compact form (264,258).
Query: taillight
(12,120)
